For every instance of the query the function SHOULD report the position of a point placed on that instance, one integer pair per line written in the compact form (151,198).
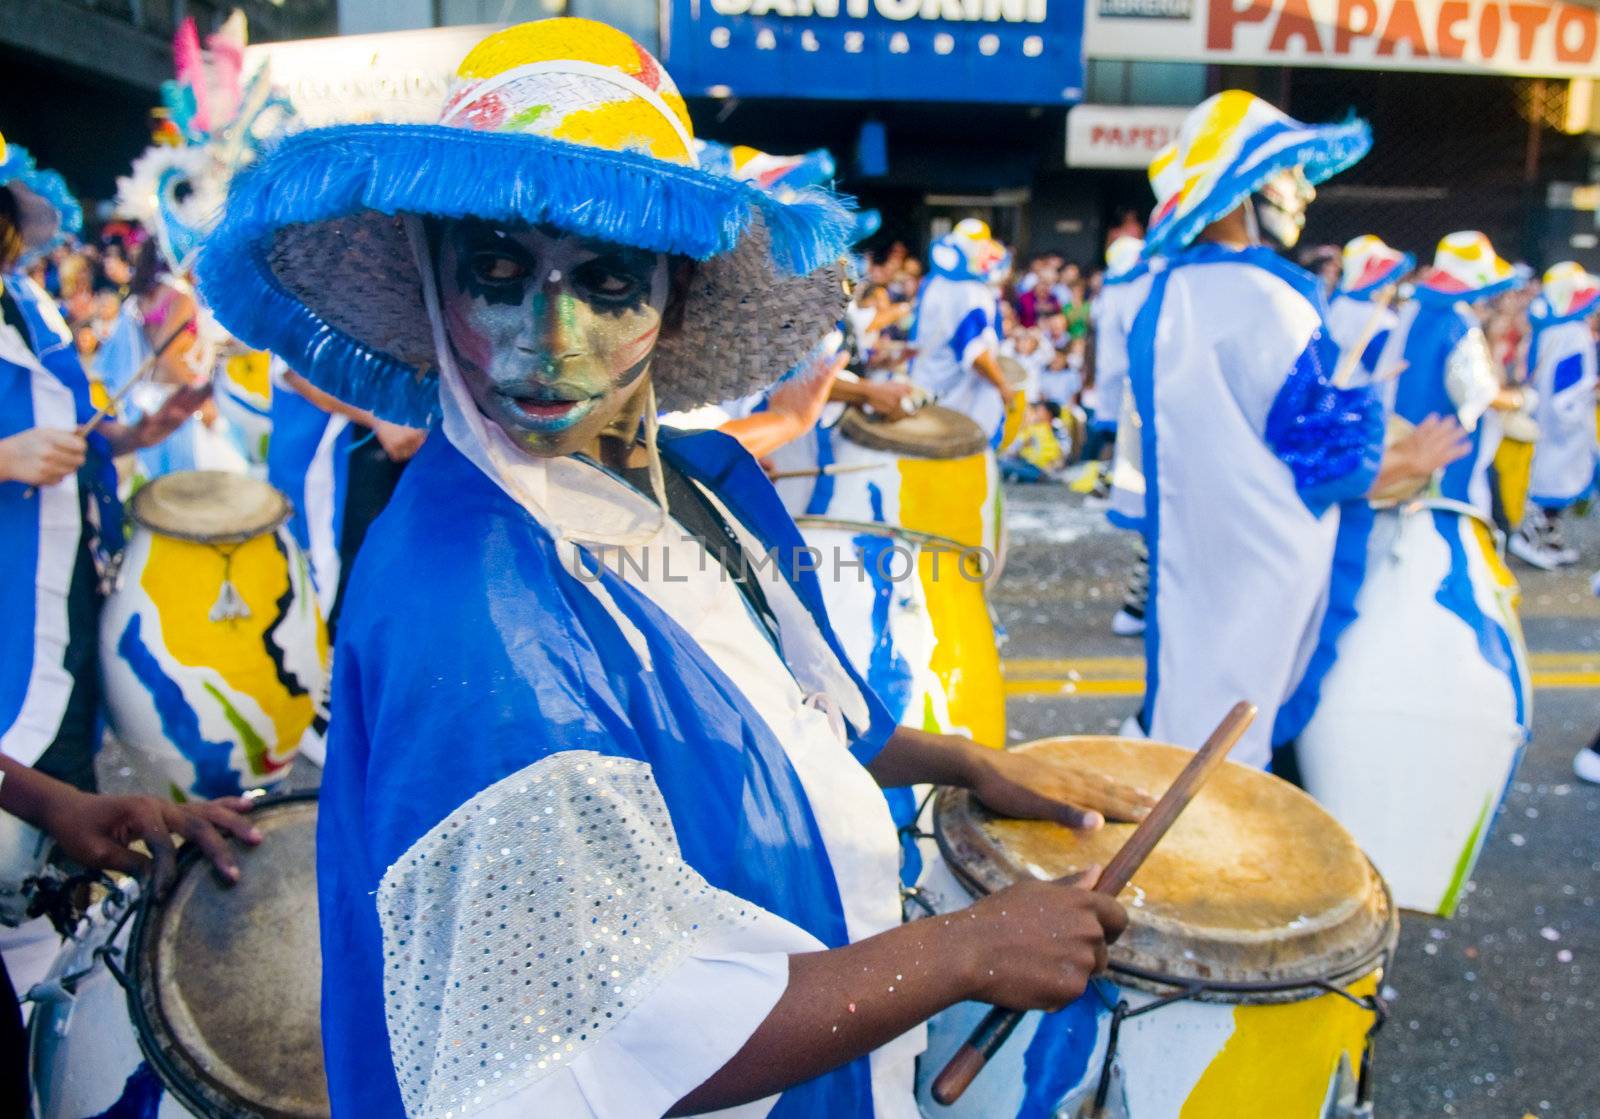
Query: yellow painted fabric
(251,372)
(182,580)
(1513,462)
(1280,1059)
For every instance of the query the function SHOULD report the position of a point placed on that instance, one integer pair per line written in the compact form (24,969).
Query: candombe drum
(907,501)
(1016,400)
(1415,723)
(244,396)
(1247,985)
(212,649)
(204,1003)
(909,610)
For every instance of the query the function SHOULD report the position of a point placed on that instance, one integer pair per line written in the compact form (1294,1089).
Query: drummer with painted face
(59,517)
(602,831)
(1247,446)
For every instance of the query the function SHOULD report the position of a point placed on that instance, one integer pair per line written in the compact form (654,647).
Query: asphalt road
(1494,1011)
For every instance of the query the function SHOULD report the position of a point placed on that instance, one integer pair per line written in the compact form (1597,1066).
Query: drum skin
(223,1016)
(1254,885)
(1413,723)
(914,625)
(211,708)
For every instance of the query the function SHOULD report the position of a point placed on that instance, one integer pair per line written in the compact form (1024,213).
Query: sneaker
(1125,624)
(1587,765)
(1555,542)
(1527,546)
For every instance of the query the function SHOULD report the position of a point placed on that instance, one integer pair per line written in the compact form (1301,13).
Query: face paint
(1281,206)
(552,333)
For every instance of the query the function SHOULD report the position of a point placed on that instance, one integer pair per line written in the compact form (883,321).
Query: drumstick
(139,374)
(1350,360)
(831,468)
(985,1041)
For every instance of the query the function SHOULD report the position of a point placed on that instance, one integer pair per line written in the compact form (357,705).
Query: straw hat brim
(311,258)
(1436,285)
(1322,151)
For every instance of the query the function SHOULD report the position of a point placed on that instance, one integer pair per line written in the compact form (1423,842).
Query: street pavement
(1493,1014)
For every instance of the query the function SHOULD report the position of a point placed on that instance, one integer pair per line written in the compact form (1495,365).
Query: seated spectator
(1039,455)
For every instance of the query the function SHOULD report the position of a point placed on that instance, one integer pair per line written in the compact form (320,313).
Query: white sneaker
(1126,624)
(1587,765)
(1532,552)
(1565,555)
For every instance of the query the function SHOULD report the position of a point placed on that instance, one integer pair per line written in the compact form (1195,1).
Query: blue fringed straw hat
(564,122)
(1231,145)
(46,211)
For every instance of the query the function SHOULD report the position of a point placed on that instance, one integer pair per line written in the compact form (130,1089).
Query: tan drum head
(1255,883)
(227,981)
(209,506)
(929,432)
(1016,376)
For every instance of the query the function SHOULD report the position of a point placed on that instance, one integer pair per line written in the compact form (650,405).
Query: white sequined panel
(529,922)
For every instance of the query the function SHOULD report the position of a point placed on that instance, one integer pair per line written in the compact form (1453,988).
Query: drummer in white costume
(1561,367)
(957,335)
(691,752)
(1359,314)
(58,514)
(1247,448)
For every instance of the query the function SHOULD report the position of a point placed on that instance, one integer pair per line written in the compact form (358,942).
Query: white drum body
(1413,722)
(244,397)
(83,1052)
(213,693)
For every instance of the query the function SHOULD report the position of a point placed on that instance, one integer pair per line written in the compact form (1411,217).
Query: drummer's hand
(889,399)
(399,442)
(97,831)
(41,456)
(1035,945)
(1014,784)
(1434,444)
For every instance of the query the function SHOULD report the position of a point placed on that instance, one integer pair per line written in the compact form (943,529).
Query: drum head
(929,432)
(209,506)
(226,993)
(1254,885)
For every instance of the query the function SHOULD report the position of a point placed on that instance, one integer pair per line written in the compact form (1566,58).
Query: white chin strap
(528,479)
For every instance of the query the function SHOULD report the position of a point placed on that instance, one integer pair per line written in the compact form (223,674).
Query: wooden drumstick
(985,1041)
(144,369)
(1350,360)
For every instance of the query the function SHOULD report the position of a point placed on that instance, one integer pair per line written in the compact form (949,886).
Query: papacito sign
(1539,38)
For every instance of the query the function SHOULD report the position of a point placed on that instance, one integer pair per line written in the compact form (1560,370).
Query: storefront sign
(1119,135)
(398,77)
(1540,38)
(1017,51)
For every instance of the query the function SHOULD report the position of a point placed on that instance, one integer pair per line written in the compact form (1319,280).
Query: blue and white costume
(42,384)
(308,459)
(1246,448)
(957,321)
(1561,367)
(1127,285)
(1417,702)
(1355,317)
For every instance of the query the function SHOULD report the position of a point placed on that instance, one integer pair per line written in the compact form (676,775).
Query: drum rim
(272,525)
(181,1078)
(1359,962)
(883,528)
(856,426)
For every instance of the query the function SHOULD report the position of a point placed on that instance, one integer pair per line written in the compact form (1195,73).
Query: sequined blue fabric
(1327,436)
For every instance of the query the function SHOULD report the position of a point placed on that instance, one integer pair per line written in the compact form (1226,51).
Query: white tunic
(1564,376)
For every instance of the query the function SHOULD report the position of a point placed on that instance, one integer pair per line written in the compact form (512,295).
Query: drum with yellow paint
(909,610)
(1415,721)
(244,397)
(1513,464)
(1247,985)
(213,653)
(1016,400)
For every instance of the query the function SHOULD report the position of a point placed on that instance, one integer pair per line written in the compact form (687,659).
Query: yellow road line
(1062,686)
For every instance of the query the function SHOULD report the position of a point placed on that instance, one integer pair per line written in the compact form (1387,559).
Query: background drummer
(957,333)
